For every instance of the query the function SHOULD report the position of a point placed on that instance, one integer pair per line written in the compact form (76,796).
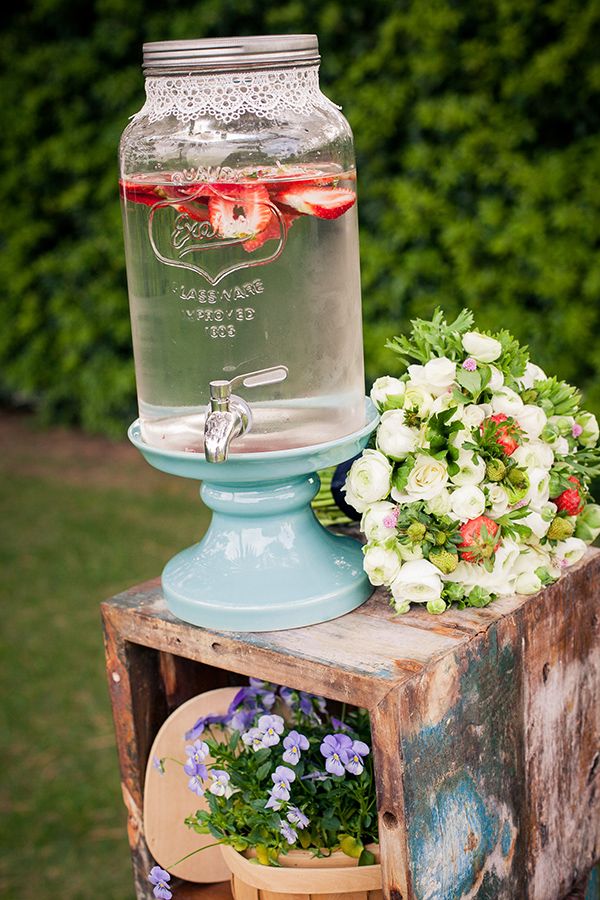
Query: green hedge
(476,129)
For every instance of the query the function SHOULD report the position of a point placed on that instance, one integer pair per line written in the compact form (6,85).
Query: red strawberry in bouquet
(480,539)
(571,500)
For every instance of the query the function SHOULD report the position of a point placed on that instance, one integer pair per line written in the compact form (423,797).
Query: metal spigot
(230,416)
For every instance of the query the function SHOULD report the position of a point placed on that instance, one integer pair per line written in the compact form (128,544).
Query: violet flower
(297,817)
(282,778)
(353,757)
(271,727)
(159,878)
(220,786)
(288,832)
(197,729)
(332,749)
(253,738)
(273,802)
(197,753)
(195,785)
(294,743)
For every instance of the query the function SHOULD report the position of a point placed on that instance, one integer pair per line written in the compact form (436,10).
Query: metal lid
(231,53)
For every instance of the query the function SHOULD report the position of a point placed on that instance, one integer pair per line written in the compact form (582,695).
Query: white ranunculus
(539,488)
(532,420)
(467,502)
(369,480)
(385,390)
(497,499)
(471,471)
(569,552)
(417,398)
(417,582)
(532,374)
(537,522)
(496,379)
(589,435)
(436,376)
(394,438)
(427,478)
(381,563)
(507,401)
(440,504)
(501,579)
(373,523)
(469,574)
(534,455)
(481,347)
(472,414)
(527,583)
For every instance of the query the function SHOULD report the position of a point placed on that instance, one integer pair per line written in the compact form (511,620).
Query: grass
(78,524)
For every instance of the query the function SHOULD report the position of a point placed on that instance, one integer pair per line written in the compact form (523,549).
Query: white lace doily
(228,96)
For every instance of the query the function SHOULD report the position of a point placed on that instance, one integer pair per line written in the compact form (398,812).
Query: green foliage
(476,130)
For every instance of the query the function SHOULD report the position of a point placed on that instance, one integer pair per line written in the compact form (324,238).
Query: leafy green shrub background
(476,129)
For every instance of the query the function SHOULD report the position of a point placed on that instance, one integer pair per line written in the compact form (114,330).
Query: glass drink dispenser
(239,205)
(238,190)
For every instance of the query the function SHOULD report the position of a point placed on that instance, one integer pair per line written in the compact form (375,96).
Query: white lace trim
(226,97)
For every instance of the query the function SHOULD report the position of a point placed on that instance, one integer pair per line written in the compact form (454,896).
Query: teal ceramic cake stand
(265,563)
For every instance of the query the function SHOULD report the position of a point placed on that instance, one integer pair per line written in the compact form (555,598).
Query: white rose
(527,583)
(532,374)
(417,398)
(539,489)
(471,471)
(467,502)
(497,500)
(427,478)
(507,401)
(417,582)
(537,522)
(387,389)
(381,564)
(589,435)
(374,518)
(501,579)
(437,376)
(532,420)
(496,379)
(481,347)
(394,438)
(533,455)
(369,480)
(440,504)
(569,552)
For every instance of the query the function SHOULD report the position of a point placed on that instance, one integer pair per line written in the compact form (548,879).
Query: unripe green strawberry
(561,529)
(441,538)
(495,470)
(444,560)
(416,531)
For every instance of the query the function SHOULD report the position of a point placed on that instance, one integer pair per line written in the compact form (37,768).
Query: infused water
(232,271)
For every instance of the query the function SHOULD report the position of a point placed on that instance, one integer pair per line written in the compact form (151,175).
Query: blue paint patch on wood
(593,888)
(464,779)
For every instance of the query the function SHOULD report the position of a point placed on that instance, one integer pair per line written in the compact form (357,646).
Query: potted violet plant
(290,794)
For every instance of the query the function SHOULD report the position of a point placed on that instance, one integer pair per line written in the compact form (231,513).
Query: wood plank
(562,715)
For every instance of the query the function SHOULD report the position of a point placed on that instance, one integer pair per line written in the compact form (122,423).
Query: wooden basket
(303,877)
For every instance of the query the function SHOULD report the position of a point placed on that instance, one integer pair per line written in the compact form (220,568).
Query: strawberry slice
(323,202)
(138,193)
(271,232)
(240,211)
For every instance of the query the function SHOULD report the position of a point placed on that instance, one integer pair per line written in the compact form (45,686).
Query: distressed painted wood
(486,727)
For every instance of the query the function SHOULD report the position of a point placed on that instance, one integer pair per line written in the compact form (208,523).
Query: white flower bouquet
(478,483)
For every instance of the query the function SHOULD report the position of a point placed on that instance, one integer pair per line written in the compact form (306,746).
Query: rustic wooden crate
(486,727)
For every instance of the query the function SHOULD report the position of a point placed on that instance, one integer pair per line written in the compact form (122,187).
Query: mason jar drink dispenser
(239,206)
(238,188)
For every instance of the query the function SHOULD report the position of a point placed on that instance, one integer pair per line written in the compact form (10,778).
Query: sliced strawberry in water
(138,193)
(239,211)
(273,231)
(323,202)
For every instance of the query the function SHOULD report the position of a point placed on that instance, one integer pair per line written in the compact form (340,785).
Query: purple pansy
(273,802)
(197,753)
(282,777)
(339,725)
(294,743)
(271,727)
(288,832)
(197,729)
(253,738)
(333,749)
(195,784)
(297,817)
(159,878)
(220,786)
(353,757)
